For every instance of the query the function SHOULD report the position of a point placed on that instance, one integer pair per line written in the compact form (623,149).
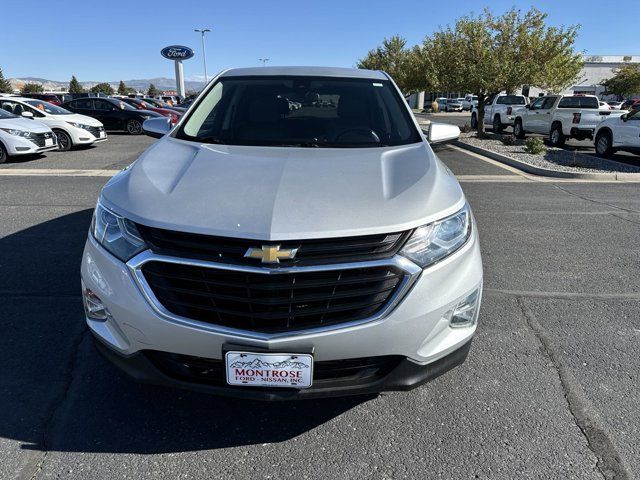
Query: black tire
(134,127)
(518,129)
(497,124)
(64,140)
(474,121)
(3,154)
(604,144)
(556,137)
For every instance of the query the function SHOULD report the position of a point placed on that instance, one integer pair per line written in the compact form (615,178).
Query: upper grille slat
(311,251)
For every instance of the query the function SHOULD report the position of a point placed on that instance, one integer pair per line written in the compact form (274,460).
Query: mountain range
(161,83)
(257,363)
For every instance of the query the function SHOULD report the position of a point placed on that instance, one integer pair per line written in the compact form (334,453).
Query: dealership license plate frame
(233,356)
(48,142)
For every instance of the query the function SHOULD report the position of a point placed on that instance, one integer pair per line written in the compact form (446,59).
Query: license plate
(102,134)
(269,369)
(48,142)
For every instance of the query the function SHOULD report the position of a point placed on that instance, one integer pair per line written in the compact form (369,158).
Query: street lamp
(264,61)
(202,31)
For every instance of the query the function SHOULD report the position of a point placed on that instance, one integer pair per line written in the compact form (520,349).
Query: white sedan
(618,133)
(19,136)
(71,129)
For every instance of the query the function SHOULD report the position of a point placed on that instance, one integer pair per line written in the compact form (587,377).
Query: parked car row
(562,117)
(29,126)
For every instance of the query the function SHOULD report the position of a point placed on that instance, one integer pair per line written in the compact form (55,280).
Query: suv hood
(272,193)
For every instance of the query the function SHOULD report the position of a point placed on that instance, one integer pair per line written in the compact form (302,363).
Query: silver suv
(293,236)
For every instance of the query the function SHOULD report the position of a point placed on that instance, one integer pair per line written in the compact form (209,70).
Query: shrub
(534,146)
(508,140)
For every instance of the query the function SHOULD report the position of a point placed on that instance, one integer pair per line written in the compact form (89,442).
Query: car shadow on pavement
(59,394)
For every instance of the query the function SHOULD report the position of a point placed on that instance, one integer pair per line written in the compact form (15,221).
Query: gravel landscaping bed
(553,159)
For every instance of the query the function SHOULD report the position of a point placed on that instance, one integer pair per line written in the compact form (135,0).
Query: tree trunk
(481,130)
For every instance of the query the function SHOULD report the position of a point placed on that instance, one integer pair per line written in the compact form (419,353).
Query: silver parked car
(273,253)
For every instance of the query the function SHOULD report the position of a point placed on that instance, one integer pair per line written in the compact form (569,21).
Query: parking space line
(52,172)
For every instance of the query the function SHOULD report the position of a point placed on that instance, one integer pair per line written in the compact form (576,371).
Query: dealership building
(596,69)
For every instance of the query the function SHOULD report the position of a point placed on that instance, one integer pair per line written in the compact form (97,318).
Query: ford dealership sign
(176,52)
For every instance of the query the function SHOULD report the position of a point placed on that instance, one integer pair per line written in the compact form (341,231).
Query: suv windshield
(301,111)
(48,107)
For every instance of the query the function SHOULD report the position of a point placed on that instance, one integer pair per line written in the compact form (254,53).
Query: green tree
(32,88)
(152,91)
(488,54)
(103,88)
(5,85)
(395,58)
(626,81)
(74,85)
(122,88)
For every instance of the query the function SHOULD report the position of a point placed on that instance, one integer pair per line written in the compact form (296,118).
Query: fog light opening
(466,313)
(94,309)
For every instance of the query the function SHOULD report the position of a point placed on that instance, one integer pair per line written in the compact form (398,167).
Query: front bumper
(406,375)
(416,329)
(24,146)
(80,136)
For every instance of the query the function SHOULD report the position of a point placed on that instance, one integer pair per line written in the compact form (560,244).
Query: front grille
(212,372)
(232,250)
(271,302)
(95,131)
(39,138)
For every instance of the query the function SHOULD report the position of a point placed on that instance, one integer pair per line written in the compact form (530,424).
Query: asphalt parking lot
(550,389)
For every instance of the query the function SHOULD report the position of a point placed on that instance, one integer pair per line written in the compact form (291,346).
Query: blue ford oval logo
(176,52)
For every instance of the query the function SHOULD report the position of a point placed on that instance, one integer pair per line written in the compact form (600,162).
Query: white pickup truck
(498,111)
(618,133)
(561,117)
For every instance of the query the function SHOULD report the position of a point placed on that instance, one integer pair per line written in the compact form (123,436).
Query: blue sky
(122,39)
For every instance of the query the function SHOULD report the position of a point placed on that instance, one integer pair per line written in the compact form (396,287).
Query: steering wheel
(357,135)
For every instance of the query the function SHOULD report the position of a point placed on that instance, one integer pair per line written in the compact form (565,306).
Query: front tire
(3,154)
(64,140)
(604,144)
(474,121)
(497,124)
(134,127)
(518,129)
(556,137)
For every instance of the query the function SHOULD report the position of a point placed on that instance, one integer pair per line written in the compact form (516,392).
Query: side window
(37,112)
(83,103)
(548,103)
(537,105)
(634,116)
(102,105)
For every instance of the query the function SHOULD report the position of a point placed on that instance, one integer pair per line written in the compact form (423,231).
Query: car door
(107,114)
(532,121)
(544,115)
(629,131)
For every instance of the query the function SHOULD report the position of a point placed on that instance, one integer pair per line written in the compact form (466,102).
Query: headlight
(116,234)
(17,133)
(431,243)
(80,125)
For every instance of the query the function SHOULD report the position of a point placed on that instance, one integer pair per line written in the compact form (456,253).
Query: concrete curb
(544,172)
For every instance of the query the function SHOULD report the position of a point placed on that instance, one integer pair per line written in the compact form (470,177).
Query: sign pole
(179,79)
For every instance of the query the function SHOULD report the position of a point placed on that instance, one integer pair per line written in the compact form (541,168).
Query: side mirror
(528,106)
(157,127)
(442,132)
(624,117)
(28,115)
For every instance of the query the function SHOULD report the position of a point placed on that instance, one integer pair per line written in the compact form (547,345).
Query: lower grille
(39,138)
(95,131)
(212,372)
(272,302)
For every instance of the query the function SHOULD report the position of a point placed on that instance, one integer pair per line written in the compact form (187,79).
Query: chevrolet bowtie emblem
(271,253)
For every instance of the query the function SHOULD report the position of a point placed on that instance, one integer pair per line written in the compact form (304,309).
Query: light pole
(202,31)
(264,61)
